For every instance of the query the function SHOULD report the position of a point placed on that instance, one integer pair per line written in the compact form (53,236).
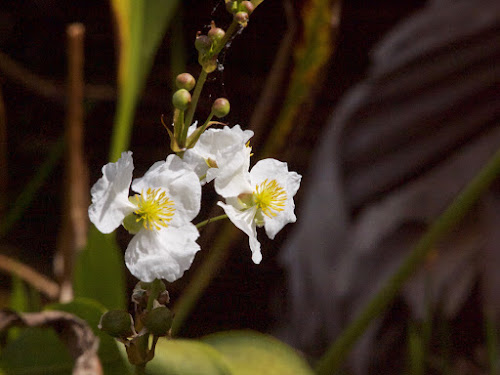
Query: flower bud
(181,99)
(216,33)
(221,107)
(241,18)
(231,6)
(247,6)
(209,65)
(185,81)
(158,321)
(117,323)
(202,43)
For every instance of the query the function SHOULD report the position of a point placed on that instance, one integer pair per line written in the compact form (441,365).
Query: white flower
(267,200)
(168,198)
(221,155)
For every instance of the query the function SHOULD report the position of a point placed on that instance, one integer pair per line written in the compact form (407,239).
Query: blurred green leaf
(111,359)
(250,353)
(99,271)
(142,25)
(186,357)
(36,351)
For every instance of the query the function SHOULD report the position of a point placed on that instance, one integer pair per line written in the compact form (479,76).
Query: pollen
(154,208)
(270,197)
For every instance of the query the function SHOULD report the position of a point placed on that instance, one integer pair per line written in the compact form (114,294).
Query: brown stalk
(46,87)
(73,235)
(38,281)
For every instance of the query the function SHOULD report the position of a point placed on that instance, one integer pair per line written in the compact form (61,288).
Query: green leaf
(36,351)
(111,359)
(142,25)
(250,353)
(186,357)
(99,271)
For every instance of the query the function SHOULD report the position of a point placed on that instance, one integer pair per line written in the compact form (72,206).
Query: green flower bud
(158,321)
(202,43)
(181,99)
(185,81)
(216,33)
(241,18)
(209,65)
(247,6)
(231,6)
(221,107)
(117,323)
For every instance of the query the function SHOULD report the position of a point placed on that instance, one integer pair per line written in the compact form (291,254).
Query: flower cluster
(168,197)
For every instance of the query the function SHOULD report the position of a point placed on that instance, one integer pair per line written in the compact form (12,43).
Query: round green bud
(241,18)
(158,321)
(185,81)
(221,107)
(117,323)
(216,34)
(247,6)
(209,65)
(202,43)
(231,6)
(181,99)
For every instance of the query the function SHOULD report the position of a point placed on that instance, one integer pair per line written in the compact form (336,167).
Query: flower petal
(273,169)
(244,220)
(164,254)
(181,184)
(110,202)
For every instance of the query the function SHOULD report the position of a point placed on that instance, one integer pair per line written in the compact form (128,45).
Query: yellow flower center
(269,197)
(154,208)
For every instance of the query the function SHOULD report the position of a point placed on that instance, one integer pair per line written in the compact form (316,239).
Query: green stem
(196,96)
(336,353)
(212,219)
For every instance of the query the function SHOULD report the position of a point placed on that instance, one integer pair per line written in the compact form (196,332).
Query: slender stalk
(196,96)
(212,219)
(336,353)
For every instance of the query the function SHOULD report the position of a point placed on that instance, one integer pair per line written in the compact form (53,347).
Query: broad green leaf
(111,359)
(37,351)
(99,271)
(250,353)
(142,25)
(186,357)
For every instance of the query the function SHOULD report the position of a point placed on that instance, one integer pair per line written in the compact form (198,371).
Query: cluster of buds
(241,10)
(181,138)
(152,317)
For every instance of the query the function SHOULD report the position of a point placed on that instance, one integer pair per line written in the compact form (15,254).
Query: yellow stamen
(270,197)
(154,208)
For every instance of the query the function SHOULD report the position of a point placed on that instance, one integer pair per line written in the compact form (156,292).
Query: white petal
(244,220)
(232,177)
(110,202)
(181,184)
(272,169)
(164,254)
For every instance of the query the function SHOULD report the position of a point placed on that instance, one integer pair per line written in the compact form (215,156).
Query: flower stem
(196,96)
(227,36)
(336,353)
(205,222)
